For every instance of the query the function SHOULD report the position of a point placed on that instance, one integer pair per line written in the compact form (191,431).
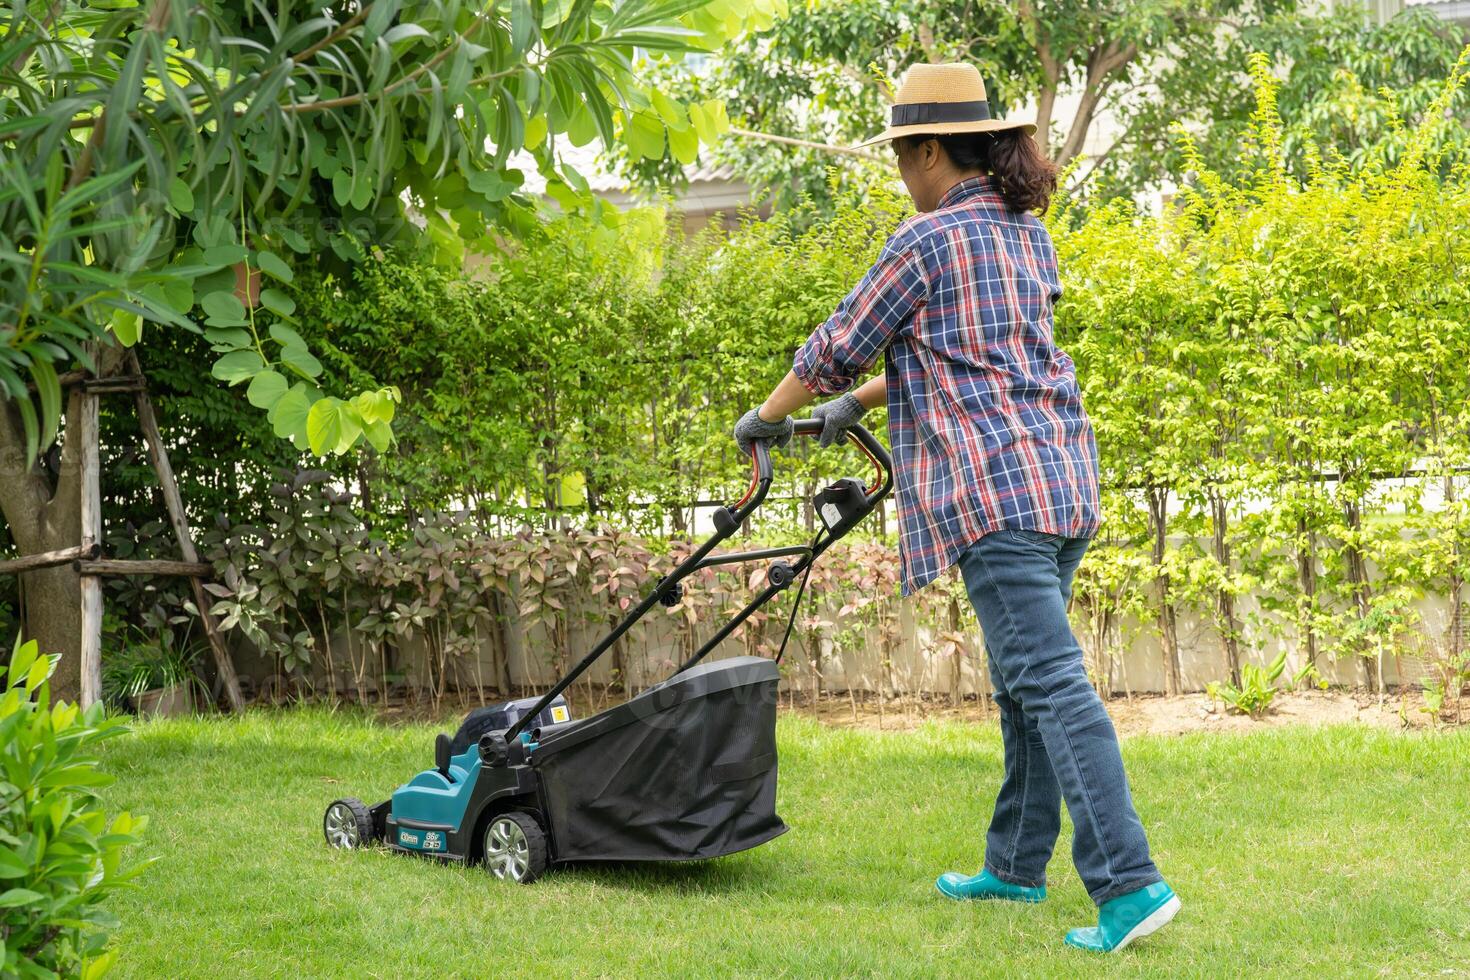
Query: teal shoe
(1126,918)
(985,886)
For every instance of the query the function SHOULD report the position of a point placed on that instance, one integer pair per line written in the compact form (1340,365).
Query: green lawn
(1330,852)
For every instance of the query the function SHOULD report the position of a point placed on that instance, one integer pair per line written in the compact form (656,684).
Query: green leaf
(96,967)
(78,775)
(684,144)
(403,32)
(21,660)
(535,132)
(380,15)
(554,12)
(300,360)
(286,337)
(703,126)
(522,27)
(323,426)
(332,426)
(668,110)
(48,391)
(19,896)
(226,339)
(126,327)
(178,292)
(714,110)
(40,670)
(180,196)
(223,306)
(379,435)
(273,266)
(237,366)
(12,865)
(376,406)
(491,184)
(288,417)
(644,135)
(277,302)
(266,388)
(220,255)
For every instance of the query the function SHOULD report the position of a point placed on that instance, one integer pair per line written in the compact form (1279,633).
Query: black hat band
(921,113)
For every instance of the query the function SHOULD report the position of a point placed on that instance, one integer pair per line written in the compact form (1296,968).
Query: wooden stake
(175,504)
(91,477)
(47,559)
(146,566)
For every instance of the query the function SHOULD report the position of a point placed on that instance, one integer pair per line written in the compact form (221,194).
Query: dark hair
(1026,179)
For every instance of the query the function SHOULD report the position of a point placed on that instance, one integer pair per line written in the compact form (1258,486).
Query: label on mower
(432,840)
(560,713)
(831,516)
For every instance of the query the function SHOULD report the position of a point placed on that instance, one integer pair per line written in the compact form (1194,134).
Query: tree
(1351,91)
(165,156)
(824,73)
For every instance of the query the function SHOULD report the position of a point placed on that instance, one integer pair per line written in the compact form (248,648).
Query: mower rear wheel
(347,824)
(515,847)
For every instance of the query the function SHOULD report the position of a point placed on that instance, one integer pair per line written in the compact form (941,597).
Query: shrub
(59,855)
(1256,691)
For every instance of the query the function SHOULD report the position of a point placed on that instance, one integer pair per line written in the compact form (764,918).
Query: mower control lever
(780,573)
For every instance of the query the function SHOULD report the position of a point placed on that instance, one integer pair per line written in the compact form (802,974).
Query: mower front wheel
(515,847)
(348,824)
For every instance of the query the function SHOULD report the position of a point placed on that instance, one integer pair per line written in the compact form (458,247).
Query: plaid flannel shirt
(985,417)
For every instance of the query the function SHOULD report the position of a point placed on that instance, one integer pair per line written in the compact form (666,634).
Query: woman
(996,471)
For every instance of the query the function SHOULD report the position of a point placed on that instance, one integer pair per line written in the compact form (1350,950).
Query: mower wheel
(515,847)
(348,825)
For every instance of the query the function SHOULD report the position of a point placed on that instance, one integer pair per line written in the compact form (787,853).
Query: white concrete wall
(917,667)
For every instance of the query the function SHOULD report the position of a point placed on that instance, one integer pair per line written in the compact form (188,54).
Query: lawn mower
(683,771)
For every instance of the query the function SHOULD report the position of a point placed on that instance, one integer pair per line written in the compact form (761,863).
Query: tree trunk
(1158,501)
(1455,634)
(53,617)
(1357,569)
(45,515)
(957,668)
(1306,563)
(1224,601)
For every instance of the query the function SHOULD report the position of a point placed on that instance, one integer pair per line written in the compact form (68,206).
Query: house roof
(1454,11)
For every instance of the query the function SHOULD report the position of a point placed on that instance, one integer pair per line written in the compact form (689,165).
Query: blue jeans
(1059,741)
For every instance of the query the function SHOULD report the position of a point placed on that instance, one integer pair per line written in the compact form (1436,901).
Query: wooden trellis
(86,556)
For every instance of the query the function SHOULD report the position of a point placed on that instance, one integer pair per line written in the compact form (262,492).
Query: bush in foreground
(59,855)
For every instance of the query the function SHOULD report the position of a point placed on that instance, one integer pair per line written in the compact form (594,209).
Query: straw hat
(937,100)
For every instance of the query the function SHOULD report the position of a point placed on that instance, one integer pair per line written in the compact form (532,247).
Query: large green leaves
(160,154)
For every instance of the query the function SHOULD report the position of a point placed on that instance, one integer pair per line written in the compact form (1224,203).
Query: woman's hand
(838,415)
(752,427)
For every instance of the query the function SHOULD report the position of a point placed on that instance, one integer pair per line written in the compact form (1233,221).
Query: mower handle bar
(727,520)
(858,435)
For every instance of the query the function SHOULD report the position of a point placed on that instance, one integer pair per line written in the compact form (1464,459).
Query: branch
(867,81)
(1051,72)
(24,55)
(357,97)
(83,168)
(808,144)
(926,41)
(332,38)
(1101,63)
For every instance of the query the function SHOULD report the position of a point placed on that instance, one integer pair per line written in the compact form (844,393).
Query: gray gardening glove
(838,415)
(752,427)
